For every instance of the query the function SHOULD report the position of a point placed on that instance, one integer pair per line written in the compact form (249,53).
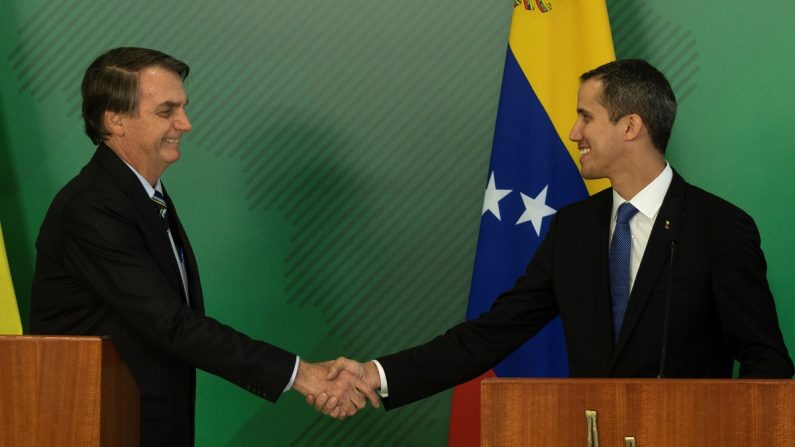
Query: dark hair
(635,86)
(111,84)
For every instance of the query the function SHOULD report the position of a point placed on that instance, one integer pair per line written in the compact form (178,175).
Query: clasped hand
(338,388)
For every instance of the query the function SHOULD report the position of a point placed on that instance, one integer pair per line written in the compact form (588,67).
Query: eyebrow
(171,104)
(581,111)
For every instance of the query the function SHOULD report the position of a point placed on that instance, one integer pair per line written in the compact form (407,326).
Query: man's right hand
(365,372)
(347,391)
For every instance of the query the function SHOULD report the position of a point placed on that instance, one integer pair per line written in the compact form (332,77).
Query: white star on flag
(493,196)
(535,210)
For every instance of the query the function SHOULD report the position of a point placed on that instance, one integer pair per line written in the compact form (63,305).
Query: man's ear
(633,126)
(114,123)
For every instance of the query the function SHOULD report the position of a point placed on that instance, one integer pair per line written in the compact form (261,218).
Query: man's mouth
(584,151)
(171,140)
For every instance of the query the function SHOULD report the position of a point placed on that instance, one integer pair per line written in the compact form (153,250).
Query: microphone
(672,225)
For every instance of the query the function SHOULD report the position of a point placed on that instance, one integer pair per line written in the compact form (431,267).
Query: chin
(591,172)
(171,156)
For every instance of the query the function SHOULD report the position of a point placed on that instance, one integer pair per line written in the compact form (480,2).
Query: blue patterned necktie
(620,247)
(161,206)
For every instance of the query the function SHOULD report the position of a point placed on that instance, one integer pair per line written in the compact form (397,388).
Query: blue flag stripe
(527,158)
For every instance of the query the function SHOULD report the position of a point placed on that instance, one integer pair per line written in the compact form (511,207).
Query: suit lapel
(152,227)
(597,250)
(191,270)
(668,221)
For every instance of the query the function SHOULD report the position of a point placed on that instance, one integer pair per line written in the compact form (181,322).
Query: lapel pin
(667,224)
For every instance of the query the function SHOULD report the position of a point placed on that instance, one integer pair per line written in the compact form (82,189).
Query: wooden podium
(637,412)
(66,391)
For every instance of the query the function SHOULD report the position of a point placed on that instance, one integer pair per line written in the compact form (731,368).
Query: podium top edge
(54,338)
(637,381)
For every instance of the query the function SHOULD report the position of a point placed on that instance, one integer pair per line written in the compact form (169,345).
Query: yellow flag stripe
(554,48)
(10,323)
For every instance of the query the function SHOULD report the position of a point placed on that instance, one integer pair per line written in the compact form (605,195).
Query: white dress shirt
(648,202)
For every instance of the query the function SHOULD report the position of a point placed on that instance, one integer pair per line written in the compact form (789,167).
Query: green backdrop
(333,182)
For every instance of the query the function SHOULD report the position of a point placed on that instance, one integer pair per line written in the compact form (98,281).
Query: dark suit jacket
(105,266)
(721,307)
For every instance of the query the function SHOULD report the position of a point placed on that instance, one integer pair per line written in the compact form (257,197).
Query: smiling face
(599,140)
(149,138)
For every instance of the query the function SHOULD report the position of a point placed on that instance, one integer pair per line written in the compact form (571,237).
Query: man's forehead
(161,86)
(591,86)
(590,91)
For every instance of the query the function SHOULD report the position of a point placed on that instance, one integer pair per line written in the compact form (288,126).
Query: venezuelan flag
(9,312)
(534,171)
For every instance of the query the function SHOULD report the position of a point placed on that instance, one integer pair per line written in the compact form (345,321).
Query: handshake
(338,388)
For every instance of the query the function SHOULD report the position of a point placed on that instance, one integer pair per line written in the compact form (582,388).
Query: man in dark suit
(113,258)
(692,295)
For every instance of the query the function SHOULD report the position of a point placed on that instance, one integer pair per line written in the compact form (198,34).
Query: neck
(147,170)
(629,183)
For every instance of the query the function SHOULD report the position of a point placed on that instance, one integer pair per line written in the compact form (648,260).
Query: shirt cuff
(384,390)
(295,372)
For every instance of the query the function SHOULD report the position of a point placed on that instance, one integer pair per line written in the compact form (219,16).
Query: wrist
(372,374)
(301,378)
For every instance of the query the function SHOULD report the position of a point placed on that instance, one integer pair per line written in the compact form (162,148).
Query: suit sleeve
(745,304)
(106,252)
(471,348)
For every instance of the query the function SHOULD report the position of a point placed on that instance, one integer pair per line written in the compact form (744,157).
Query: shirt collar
(150,191)
(649,200)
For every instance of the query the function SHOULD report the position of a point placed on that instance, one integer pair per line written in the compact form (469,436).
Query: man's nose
(575,134)
(182,122)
